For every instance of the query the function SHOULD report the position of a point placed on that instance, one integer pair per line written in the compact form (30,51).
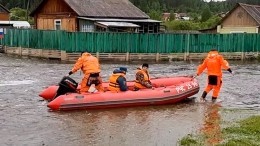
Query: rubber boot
(214,99)
(203,96)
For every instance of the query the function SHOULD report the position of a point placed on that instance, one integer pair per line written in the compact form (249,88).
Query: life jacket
(146,78)
(87,63)
(113,85)
(214,64)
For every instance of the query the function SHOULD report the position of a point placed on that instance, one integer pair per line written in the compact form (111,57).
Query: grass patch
(191,140)
(244,133)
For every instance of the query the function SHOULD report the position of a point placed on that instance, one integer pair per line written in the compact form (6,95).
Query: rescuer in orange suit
(91,69)
(142,80)
(214,62)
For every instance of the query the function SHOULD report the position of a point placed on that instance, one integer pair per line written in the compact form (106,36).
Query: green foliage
(189,140)
(155,15)
(172,15)
(247,133)
(181,25)
(18,14)
(211,22)
(206,14)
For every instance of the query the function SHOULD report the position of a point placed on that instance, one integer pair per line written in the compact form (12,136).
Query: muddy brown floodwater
(26,120)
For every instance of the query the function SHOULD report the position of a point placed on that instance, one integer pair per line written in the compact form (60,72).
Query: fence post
(41,53)
(186,53)
(157,57)
(63,55)
(243,49)
(97,55)
(20,52)
(127,56)
(5,49)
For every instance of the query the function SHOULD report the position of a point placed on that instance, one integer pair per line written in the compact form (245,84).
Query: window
(87,28)
(57,24)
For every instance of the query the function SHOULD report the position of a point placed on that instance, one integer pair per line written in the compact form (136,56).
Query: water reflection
(211,126)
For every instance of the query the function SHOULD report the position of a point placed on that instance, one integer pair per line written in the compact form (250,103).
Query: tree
(206,14)
(155,14)
(18,14)
(172,15)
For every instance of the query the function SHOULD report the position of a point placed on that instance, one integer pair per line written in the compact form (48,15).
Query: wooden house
(4,13)
(92,15)
(243,18)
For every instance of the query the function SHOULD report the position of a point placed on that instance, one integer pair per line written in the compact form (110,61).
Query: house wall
(53,10)
(239,21)
(238,30)
(239,17)
(4,16)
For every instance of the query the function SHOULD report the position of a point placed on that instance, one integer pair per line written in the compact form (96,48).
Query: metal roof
(3,9)
(117,24)
(119,20)
(103,8)
(18,24)
(252,10)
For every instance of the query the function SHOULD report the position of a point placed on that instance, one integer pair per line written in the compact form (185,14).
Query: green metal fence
(130,42)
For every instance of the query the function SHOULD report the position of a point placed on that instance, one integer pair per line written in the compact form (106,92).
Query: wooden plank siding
(72,57)
(239,17)
(4,16)
(56,9)
(243,18)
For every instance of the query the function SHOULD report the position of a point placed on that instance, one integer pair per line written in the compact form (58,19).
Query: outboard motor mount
(66,85)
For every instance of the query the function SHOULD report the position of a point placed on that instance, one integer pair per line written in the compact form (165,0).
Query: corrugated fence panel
(105,42)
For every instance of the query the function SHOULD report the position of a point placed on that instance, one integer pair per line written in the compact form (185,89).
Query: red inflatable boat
(166,91)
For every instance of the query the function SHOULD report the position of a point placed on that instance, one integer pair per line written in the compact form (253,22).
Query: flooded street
(26,120)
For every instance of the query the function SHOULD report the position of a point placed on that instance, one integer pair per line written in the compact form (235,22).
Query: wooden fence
(72,57)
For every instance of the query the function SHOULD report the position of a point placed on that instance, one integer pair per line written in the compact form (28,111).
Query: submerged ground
(25,119)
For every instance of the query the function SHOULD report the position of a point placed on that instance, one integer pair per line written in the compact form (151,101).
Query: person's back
(91,69)
(117,81)
(214,63)
(87,63)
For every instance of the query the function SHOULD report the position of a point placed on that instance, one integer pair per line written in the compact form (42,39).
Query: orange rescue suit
(214,64)
(89,65)
(113,84)
(145,80)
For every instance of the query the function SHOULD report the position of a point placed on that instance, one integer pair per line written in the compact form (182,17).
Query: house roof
(18,24)
(3,9)
(103,9)
(120,20)
(252,10)
(117,24)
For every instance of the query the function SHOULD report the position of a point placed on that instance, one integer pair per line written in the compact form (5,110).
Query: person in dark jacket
(117,81)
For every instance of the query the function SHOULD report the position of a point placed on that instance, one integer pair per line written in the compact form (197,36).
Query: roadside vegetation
(244,133)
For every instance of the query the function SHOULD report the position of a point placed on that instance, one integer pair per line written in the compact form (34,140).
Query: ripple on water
(14,83)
